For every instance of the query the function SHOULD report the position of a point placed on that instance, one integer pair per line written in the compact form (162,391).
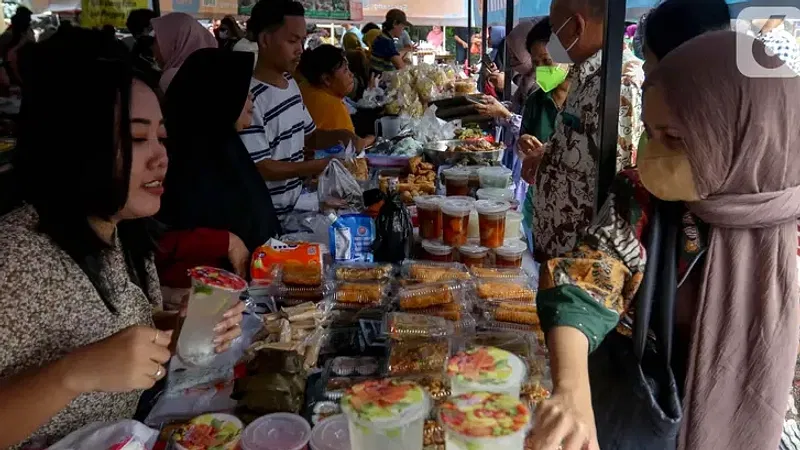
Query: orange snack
(424,298)
(492,222)
(361,293)
(507,291)
(433,273)
(302,275)
(510,254)
(277,253)
(455,221)
(473,255)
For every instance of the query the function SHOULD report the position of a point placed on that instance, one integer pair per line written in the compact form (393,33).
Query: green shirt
(539,120)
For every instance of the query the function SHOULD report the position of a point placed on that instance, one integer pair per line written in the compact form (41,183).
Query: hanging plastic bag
(394,232)
(338,189)
(125,434)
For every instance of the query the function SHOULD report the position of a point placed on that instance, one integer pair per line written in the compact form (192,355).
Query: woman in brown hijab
(699,242)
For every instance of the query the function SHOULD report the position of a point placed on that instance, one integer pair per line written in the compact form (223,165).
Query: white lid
(331,434)
(457,173)
(494,171)
(473,250)
(436,248)
(498,194)
(456,207)
(491,207)
(511,248)
(429,201)
(385,403)
(465,198)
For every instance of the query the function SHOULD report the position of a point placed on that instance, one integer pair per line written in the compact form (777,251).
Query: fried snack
(429,273)
(432,434)
(412,357)
(451,312)
(302,275)
(507,291)
(405,326)
(360,293)
(514,315)
(493,272)
(369,273)
(533,392)
(412,298)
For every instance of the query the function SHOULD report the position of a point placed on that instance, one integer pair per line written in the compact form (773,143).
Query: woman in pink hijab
(177,35)
(436,36)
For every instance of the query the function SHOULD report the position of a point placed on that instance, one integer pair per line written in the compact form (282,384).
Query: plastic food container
(492,222)
(386,414)
(455,221)
(429,216)
(495,177)
(513,225)
(456,181)
(484,421)
(436,251)
(497,194)
(474,178)
(473,255)
(430,272)
(474,229)
(404,326)
(225,428)
(486,369)
(510,254)
(279,431)
(331,434)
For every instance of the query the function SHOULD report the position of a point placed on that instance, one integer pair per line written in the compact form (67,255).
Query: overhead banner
(201,8)
(420,12)
(334,9)
(96,13)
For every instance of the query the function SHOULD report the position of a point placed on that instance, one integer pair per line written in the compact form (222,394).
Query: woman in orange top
(326,82)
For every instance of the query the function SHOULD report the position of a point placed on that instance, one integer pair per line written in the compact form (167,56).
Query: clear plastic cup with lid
(497,194)
(473,255)
(332,433)
(386,414)
(279,431)
(492,222)
(513,225)
(510,254)
(429,216)
(456,180)
(437,251)
(495,177)
(455,221)
(226,428)
(484,421)
(486,369)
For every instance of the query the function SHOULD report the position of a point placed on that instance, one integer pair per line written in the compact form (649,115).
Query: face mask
(666,173)
(556,48)
(223,34)
(550,77)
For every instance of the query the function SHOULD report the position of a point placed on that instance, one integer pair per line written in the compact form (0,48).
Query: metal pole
(484,26)
(509,74)
(157,7)
(609,97)
(469,31)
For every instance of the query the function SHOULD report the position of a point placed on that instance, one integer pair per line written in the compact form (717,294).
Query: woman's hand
(530,151)
(492,108)
(129,360)
(238,254)
(566,422)
(229,328)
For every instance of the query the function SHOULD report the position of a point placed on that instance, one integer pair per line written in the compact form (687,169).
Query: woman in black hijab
(216,205)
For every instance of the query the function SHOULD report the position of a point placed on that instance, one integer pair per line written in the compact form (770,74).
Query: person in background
(404,44)
(384,56)
(351,42)
(248,44)
(358,61)
(282,127)
(229,33)
(519,58)
(493,75)
(109,30)
(84,344)
(177,35)
(462,37)
(21,35)
(773,34)
(25,16)
(436,37)
(216,206)
(370,32)
(353,29)
(567,170)
(138,25)
(327,81)
(698,270)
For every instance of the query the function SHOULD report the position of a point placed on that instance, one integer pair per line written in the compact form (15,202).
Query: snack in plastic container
(513,225)
(220,431)
(366,366)
(301,275)
(427,272)
(473,255)
(360,294)
(510,254)
(291,295)
(524,314)
(484,421)
(403,326)
(324,409)
(535,391)
(452,312)
(436,251)
(456,181)
(502,290)
(496,194)
(486,369)
(279,431)
(362,271)
(343,366)
(331,433)
(427,295)
(492,222)
(433,434)
(418,356)
(455,221)
(429,215)
(495,177)
(497,273)
(386,414)
(436,386)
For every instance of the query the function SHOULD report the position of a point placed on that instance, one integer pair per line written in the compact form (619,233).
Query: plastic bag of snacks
(338,189)
(358,295)
(361,271)
(276,254)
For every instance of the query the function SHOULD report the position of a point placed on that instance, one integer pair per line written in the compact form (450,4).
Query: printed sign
(96,13)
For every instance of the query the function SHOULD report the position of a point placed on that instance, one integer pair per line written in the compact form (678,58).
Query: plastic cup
(495,177)
(386,414)
(213,292)
(279,431)
(510,254)
(492,222)
(331,434)
(474,180)
(437,251)
(486,369)
(227,429)
(455,221)
(484,421)
(513,225)
(473,255)
(474,229)
(429,216)
(496,194)
(456,181)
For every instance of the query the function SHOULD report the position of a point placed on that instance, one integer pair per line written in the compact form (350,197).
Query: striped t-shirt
(280,125)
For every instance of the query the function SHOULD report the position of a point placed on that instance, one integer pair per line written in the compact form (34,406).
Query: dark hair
(320,61)
(540,32)
(268,15)
(369,27)
(86,67)
(677,21)
(234,27)
(139,20)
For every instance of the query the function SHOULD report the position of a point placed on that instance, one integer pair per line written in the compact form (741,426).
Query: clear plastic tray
(505,290)
(291,295)
(426,295)
(358,295)
(498,273)
(400,325)
(301,275)
(418,356)
(357,271)
(436,385)
(430,272)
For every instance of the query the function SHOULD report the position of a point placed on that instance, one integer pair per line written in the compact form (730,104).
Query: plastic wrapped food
(291,295)
(427,272)
(301,275)
(418,356)
(362,271)
(404,326)
(484,421)
(510,254)
(360,294)
(486,369)
(499,273)
(452,312)
(433,433)
(511,290)
(427,295)
(456,180)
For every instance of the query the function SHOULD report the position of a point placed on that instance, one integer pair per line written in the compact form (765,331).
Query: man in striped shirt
(282,127)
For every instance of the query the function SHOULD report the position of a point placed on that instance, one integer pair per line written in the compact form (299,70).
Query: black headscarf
(211,181)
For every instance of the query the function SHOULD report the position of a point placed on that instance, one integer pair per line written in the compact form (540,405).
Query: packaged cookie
(418,356)
(292,295)
(357,295)
(362,271)
(430,271)
(400,325)
(497,273)
(501,290)
(427,295)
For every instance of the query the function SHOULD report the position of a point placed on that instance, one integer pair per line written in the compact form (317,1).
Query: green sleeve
(569,305)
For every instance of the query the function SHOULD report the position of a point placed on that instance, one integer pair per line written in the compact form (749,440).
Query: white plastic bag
(338,189)
(122,435)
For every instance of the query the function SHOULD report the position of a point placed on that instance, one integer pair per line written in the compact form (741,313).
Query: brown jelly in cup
(510,254)
(456,181)
(455,222)
(436,251)
(492,222)
(472,255)
(429,216)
